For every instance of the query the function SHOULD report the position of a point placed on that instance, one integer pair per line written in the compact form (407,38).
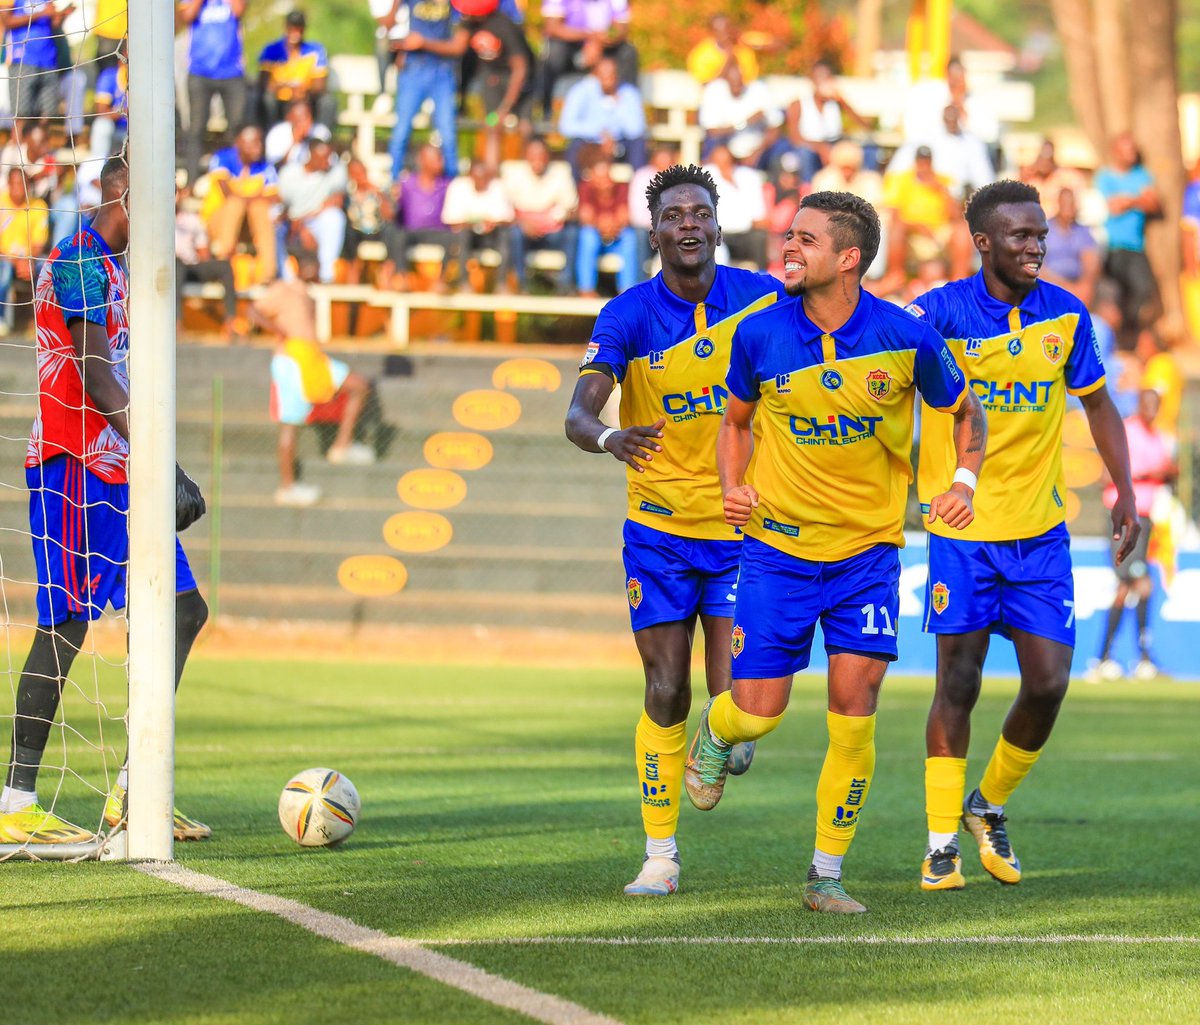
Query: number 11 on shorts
(871,628)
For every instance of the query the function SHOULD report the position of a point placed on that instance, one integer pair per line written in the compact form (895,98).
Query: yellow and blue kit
(670,357)
(832,469)
(1011,567)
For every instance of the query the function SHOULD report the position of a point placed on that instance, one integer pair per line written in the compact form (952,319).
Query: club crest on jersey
(1015,347)
(633,587)
(738,642)
(940,595)
(1052,346)
(704,348)
(879,383)
(832,380)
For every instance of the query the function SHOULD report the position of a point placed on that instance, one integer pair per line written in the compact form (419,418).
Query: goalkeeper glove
(189,502)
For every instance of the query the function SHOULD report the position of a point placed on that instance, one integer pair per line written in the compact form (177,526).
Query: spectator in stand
(603,118)
(603,229)
(194,262)
(110,121)
(24,235)
(314,195)
(306,385)
(1072,259)
(420,199)
(391,25)
(817,120)
(784,190)
(743,207)
(923,216)
(577,34)
(33,57)
(740,115)
(110,27)
(544,199)
(957,155)
(1152,466)
(243,190)
(662,156)
(287,142)
(216,67)
(844,173)
(293,68)
(369,218)
(1045,175)
(478,209)
(498,63)
(720,50)
(1132,196)
(34,155)
(428,57)
(926,99)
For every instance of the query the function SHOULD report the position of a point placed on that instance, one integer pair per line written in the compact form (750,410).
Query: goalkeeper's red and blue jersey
(1021,361)
(670,357)
(81,280)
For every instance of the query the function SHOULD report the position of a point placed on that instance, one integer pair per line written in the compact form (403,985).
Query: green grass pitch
(499,804)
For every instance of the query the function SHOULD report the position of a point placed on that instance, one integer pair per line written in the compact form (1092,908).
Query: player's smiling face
(810,259)
(687,234)
(1015,245)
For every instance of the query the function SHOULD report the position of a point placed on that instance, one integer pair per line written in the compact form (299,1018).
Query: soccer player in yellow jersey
(667,342)
(827,381)
(1023,345)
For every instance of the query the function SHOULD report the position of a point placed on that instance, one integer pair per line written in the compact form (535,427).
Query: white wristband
(604,436)
(964,476)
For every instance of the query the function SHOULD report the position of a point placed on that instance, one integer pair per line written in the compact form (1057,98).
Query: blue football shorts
(80,529)
(1002,585)
(669,578)
(780,599)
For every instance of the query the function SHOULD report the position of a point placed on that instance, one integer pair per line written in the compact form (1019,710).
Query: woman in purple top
(420,197)
(1072,258)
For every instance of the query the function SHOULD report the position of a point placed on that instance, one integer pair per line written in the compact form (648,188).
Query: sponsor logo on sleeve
(915,310)
(593,350)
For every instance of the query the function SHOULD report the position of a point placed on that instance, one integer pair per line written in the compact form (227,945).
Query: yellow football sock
(845,779)
(730,724)
(1009,765)
(945,786)
(660,756)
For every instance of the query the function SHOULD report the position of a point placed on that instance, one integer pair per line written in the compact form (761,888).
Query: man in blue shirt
(1129,190)
(601,111)
(32,26)
(216,67)
(428,58)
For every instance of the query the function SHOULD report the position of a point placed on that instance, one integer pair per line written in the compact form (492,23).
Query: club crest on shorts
(633,587)
(1052,346)
(940,597)
(738,642)
(879,383)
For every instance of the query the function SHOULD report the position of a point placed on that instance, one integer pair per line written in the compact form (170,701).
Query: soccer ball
(319,807)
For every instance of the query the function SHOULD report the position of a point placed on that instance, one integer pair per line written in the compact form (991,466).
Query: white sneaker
(1111,669)
(1145,671)
(298,494)
(353,454)
(659,877)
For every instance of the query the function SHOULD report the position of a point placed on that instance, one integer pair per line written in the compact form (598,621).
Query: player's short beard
(793,288)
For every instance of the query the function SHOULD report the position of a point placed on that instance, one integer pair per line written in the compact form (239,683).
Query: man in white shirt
(743,207)
(544,200)
(287,142)
(314,194)
(479,210)
(957,154)
(740,115)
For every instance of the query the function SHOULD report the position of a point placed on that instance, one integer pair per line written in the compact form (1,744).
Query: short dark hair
(675,175)
(853,222)
(114,167)
(984,203)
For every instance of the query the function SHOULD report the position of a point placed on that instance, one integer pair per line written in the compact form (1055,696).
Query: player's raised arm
(735,446)
(1108,432)
(633,445)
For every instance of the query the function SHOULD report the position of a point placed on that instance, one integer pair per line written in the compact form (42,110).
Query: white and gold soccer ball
(319,807)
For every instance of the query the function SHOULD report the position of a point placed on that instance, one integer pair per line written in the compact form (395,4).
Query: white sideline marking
(403,952)
(815,941)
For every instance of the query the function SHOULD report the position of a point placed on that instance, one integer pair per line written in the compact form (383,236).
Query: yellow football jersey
(670,357)
(1021,362)
(835,415)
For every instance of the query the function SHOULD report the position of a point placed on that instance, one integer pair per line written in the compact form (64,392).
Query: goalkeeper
(79,500)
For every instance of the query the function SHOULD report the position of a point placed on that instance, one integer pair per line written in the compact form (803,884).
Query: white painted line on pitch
(1060,939)
(398,951)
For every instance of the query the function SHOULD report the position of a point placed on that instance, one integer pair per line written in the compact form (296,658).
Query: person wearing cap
(293,68)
